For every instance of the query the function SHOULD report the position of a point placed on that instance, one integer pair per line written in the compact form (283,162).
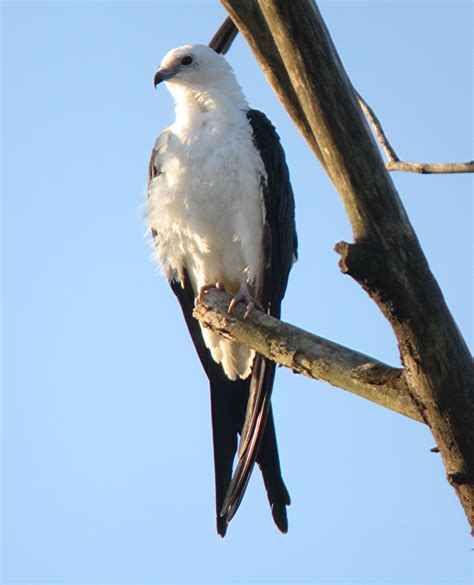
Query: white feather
(206,205)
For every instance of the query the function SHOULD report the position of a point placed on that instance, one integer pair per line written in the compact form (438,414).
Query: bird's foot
(203,290)
(244,296)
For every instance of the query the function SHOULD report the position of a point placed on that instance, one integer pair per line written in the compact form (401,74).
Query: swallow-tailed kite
(221,213)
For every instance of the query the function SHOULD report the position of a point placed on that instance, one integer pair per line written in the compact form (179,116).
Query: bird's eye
(186,60)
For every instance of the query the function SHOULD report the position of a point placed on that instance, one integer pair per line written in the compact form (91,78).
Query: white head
(197,69)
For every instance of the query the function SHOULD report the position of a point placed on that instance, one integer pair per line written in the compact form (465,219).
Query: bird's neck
(190,103)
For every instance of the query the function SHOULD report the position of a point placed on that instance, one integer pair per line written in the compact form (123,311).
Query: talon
(233,303)
(205,287)
(203,290)
(244,296)
(249,307)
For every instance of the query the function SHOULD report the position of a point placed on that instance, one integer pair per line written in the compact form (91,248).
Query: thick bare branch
(386,258)
(309,354)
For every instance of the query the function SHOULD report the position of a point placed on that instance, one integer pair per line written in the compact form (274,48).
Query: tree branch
(377,128)
(224,37)
(394,163)
(430,168)
(386,258)
(308,354)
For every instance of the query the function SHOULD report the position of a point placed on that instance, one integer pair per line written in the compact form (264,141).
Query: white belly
(207,209)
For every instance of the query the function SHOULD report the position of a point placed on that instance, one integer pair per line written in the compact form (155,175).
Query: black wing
(281,251)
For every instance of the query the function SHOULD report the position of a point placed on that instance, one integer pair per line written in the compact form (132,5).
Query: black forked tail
(229,405)
(258,443)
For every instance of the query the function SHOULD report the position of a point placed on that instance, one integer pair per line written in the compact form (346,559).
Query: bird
(221,213)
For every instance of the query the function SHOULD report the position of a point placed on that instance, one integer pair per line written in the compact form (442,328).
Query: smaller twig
(434,449)
(377,128)
(393,161)
(430,168)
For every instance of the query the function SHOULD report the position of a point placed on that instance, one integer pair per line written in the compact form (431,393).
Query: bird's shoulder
(160,146)
(265,136)
(267,143)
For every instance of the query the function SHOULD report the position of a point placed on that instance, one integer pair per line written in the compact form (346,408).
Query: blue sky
(106,440)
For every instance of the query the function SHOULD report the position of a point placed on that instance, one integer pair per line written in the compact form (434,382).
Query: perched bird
(221,213)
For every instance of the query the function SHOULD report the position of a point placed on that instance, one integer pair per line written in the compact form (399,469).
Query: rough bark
(308,354)
(296,52)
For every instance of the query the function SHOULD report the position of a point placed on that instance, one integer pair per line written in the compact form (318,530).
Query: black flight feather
(281,251)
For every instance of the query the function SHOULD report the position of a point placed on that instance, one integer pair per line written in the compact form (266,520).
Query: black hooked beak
(162,75)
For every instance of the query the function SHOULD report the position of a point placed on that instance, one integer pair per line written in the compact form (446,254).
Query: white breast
(207,209)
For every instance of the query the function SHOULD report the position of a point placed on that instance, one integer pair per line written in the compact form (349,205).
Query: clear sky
(107,450)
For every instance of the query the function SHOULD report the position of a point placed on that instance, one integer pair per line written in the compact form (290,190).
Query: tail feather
(269,464)
(259,445)
(227,418)
(232,403)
